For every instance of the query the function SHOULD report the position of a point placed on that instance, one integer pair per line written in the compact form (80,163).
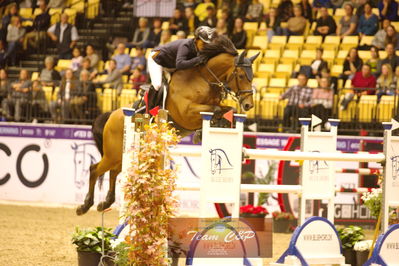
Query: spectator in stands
(352,64)
(273,24)
(239,8)
(56,3)
(123,60)
(374,60)
(254,12)
(192,20)
(396,78)
(17,100)
(296,25)
(221,27)
(299,100)
(138,78)
(66,95)
(363,82)
(336,3)
(155,34)
(180,35)
(86,99)
(317,4)
(189,4)
(322,100)
(285,10)
(307,11)
(139,60)
(40,25)
(332,81)
(113,77)
(391,58)
(388,10)
(86,66)
(360,7)
(325,23)
(200,11)
(5,86)
(165,37)
(368,22)
(239,36)
(12,11)
(38,102)
(141,34)
(225,14)
(318,64)
(15,37)
(347,24)
(66,35)
(210,19)
(380,36)
(49,76)
(386,84)
(2,55)
(77,59)
(91,54)
(178,22)
(392,37)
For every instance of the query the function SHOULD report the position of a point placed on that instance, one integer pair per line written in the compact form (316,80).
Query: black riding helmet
(205,33)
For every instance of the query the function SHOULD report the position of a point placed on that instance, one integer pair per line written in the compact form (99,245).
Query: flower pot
(350,256)
(281,225)
(87,258)
(255,221)
(361,257)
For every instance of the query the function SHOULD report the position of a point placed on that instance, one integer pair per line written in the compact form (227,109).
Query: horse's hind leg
(111,192)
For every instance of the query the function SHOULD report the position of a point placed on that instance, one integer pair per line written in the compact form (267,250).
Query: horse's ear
(252,58)
(241,57)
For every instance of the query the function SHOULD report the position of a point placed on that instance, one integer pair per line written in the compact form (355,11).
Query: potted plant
(349,236)
(282,221)
(90,243)
(362,249)
(256,216)
(372,200)
(121,250)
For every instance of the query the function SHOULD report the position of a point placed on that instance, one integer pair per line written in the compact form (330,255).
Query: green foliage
(122,254)
(267,179)
(91,239)
(350,235)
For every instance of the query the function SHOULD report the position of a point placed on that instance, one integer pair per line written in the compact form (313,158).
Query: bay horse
(191,91)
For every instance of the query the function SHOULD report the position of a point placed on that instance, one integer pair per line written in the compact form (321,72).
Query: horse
(191,91)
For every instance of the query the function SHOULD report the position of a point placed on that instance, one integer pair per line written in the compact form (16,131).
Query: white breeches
(155,72)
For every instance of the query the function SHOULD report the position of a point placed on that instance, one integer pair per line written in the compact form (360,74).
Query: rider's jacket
(179,54)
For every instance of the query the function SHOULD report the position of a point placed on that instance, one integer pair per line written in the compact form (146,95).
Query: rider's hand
(202,59)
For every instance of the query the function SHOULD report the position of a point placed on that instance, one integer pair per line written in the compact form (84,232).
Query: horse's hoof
(82,209)
(103,205)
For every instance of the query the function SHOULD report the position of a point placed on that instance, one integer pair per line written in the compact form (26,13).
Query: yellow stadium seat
(107,100)
(385,109)
(260,84)
(93,8)
(382,54)
(329,56)
(132,52)
(35,76)
(313,42)
(283,70)
(253,52)
(348,84)
(330,12)
(364,55)
(260,42)
(55,14)
(55,93)
(342,54)
(295,42)
(367,108)
(340,12)
(271,56)
(265,70)
(72,15)
(307,56)
(128,97)
(366,40)
(37,12)
(292,82)
(63,64)
(376,12)
(349,114)
(277,85)
(252,26)
(289,56)
(278,42)
(331,42)
(165,25)
(25,12)
(269,105)
(337,70)
(48,91)
(349,42)
(313,83)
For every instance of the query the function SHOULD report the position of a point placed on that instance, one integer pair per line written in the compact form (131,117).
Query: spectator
(239,8)
(388,10)
(386,85)
(49,76)
(255,11)
(362,83)
(322,3)
(360,8)
(155,34)
(180,35)
(380,36)
(2,55)
(396,78)
(318,64)
(86,66)
(15,37)
(178,22)
(77,59)
(189,4)
(299,100)
(325,24)
(123,60)
(210,19)
(5,87)
(200,11)
(65,35)
(221,27)
(17,100)
(68,91)
(368,22)
(39,102)
(40,25)
(392,37)
(391,58)
(56,3)
(113,77)
(165,37)
(12,11)
(192,20)
(86,99)
(141,34)
(273,23)
(225,14)
(336,3)
(374,60)
(307,10)
(332,81)
(139,60)
(138,78)
(347,24)
(296,25)
(239,36)
(322,100)
(91,54)
(285,10)
(352,64)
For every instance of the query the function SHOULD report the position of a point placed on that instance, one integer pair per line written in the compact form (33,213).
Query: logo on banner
(395,167)
(316,165)
(83,157)
(219,161)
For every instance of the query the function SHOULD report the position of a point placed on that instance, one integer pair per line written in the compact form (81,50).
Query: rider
(179,54)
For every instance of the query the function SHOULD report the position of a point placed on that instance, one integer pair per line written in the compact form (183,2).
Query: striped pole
(360,171)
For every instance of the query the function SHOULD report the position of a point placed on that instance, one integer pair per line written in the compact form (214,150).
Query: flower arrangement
(350,236)
(91,239)
(372,200)
(148,195)
(282,216)
(252,211)
(363,245)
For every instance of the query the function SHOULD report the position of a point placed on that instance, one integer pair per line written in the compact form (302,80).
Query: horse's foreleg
(111,192)
(89,200)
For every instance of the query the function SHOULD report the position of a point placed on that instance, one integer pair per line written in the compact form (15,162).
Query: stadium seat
(295,42)
(376,12)
(292,82)
(329,56)
(260,42)
(271,56)
(307,56)
(55,14)
(35,76)
(25,13)
(349,114)
(382,54)
(278,42)
(337,70)
(63,64)
(253,52)
(269,105)
(265,70)
(367,108)
(277,85)
(165,25)
(385,109)
(366,40)
(312,42)
(128,97)
(289,56)
(72,15)
(339,12)
(313,83)
(342,54)
(260,84)
(283,70)
(349,42)
(251,26)
(364,55)
(331,42)
(36,12)
(48,91)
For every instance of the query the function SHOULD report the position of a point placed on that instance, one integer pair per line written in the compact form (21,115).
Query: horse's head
(240,80)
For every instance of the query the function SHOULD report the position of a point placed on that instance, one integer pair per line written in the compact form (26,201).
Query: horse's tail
(98,128)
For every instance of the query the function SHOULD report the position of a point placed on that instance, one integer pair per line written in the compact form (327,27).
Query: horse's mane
(221,44)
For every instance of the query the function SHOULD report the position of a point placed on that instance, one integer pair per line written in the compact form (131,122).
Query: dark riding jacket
(179,54)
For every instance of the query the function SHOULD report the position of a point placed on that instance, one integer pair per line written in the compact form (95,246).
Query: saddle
(156,98)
